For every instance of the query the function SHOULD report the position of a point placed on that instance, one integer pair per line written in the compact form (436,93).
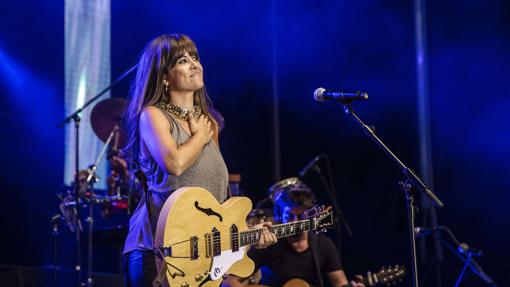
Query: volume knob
(198,277)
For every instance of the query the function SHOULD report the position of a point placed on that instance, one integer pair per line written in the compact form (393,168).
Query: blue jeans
(140,268)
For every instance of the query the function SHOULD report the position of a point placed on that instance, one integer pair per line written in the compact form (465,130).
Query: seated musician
(294,256)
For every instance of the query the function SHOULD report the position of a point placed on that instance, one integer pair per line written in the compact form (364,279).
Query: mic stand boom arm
(407,172)
(79,110)
(412,182)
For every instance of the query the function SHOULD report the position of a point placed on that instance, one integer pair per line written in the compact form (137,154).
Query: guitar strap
(142,178)
(229,192)
(313,240)
(161,272)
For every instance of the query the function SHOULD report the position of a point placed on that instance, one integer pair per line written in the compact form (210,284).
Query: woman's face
(186,75)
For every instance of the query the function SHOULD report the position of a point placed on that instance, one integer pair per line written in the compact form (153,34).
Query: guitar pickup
(208,245)
(216,242)
(234,238)
(212,243)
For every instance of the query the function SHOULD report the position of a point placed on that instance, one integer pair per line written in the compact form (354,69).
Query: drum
(123,193)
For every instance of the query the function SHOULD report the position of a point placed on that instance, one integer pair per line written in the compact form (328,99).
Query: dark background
(247,49)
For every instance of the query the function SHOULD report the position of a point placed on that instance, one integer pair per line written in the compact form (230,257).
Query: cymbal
(105,116)
(287,183)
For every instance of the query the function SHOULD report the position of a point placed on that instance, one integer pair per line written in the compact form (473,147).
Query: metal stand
(461,276)
(91,179)
(463,252)
(340,219)
(90,221)
(411,215)
(55,224)
(413,182)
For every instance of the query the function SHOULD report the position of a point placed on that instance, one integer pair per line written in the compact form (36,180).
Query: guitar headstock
(388,276)
(321,217)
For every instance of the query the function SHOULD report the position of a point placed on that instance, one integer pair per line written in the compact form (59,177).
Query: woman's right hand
(202,127)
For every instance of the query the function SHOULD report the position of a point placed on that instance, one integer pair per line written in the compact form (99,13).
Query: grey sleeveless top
(208,171)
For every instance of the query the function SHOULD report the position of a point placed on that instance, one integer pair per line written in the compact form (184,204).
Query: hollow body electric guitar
(198,239)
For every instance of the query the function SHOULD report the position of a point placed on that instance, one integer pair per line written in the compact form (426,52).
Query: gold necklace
(179,112)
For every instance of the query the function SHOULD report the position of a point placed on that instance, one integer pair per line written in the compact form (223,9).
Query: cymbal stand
(90,219)
(412,183)
(55,225)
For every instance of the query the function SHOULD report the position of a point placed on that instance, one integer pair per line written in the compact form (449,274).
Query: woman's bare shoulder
(153,116)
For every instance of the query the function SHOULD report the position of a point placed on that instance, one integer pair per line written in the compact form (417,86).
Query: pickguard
(221,264)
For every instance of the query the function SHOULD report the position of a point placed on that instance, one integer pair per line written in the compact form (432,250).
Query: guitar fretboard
(251,237)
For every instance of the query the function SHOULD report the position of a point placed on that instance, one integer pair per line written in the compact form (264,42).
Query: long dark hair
(158,57)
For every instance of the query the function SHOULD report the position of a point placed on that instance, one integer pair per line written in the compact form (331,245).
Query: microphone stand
(341,216)
(75,117)
(330,190)
(412,183)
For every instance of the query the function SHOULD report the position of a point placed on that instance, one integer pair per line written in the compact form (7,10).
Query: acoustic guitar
(198,239)
(385,276)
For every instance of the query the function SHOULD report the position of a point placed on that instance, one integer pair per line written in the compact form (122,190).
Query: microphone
(322,94)
(310,165)
(466,249)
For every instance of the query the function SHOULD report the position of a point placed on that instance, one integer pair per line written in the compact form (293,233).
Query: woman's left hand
(266,238)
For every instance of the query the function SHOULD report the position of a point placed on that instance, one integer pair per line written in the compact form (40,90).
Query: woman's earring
(165,83)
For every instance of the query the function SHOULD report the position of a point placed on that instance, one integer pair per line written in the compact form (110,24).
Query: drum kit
(122,193)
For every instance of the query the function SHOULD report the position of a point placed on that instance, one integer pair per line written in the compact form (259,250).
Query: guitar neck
(251,237)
